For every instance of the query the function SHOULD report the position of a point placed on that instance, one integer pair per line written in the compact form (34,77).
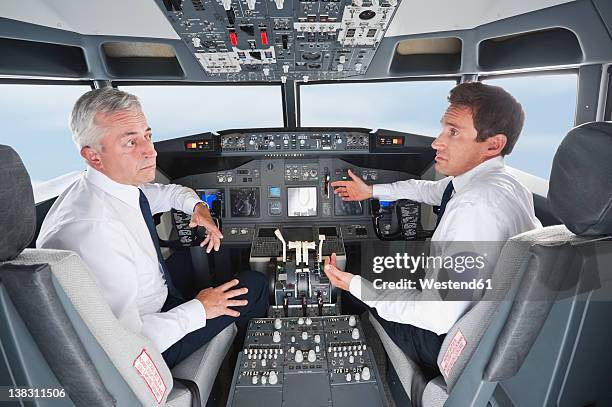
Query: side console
(312,361)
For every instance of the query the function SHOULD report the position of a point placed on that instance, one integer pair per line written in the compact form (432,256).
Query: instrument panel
(281,191)
(271,177)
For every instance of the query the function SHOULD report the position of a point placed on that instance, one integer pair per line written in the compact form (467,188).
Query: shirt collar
(461,181)
(126,193)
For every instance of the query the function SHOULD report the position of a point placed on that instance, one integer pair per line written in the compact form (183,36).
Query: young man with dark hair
(479,202)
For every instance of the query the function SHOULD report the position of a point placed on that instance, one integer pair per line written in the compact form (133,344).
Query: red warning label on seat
(453,352)
(149,372)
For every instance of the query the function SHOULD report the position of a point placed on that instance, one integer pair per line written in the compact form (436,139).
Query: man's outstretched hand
(216,301)
(337,277)
(201,217)
(355,190)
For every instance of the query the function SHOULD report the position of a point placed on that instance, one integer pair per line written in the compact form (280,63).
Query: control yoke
(407,214)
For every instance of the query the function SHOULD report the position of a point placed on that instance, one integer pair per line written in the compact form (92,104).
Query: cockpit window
(35,124)
(180,110)
(408,106)
(549,102)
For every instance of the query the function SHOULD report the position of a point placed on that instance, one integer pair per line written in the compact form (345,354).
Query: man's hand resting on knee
(217,300)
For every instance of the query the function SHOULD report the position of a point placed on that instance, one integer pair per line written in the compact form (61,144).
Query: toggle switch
(233,38)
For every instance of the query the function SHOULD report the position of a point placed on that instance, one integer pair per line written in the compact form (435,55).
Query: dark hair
(494,111)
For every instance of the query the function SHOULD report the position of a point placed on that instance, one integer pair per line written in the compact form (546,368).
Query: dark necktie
(145,208)
(446,196)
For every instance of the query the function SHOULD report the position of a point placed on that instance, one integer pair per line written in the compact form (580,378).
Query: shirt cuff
(190,204)
(381,191)
(197,314)
(355,287)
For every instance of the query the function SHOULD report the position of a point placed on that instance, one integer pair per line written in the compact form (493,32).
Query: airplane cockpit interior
(267,110)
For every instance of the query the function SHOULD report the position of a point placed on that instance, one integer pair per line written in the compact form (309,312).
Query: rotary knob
(365,373)
(352,321)
(278,324)
(308,320)
(355,334)
(299,356)
(273,379)
(300,321)
(312,356)
(276,337)
(304,335)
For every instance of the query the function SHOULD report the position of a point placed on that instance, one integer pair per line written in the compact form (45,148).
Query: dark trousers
(420,345)
(257,307)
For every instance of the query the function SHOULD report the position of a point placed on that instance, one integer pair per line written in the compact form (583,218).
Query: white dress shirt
(101,220)
(489,205)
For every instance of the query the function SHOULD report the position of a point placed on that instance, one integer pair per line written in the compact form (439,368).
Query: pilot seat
(57,331)
(551,292)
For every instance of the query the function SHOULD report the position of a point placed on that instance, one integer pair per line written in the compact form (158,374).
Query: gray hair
(85,132)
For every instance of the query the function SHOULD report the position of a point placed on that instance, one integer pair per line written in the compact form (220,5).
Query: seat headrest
(580,189)
(17,210)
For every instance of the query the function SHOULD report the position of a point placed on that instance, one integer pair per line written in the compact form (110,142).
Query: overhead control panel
(298,142)
(255,40)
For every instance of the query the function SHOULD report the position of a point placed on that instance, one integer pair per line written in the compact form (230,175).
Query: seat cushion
(403,365)
(180,396)
(201,366)
(435,394)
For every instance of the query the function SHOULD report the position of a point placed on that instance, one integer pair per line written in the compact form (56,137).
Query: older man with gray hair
(106,217)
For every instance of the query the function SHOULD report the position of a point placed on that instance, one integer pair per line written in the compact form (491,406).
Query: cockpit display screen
(211,195)
(386,206)
(302,201)
(244,202)
(347,208)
